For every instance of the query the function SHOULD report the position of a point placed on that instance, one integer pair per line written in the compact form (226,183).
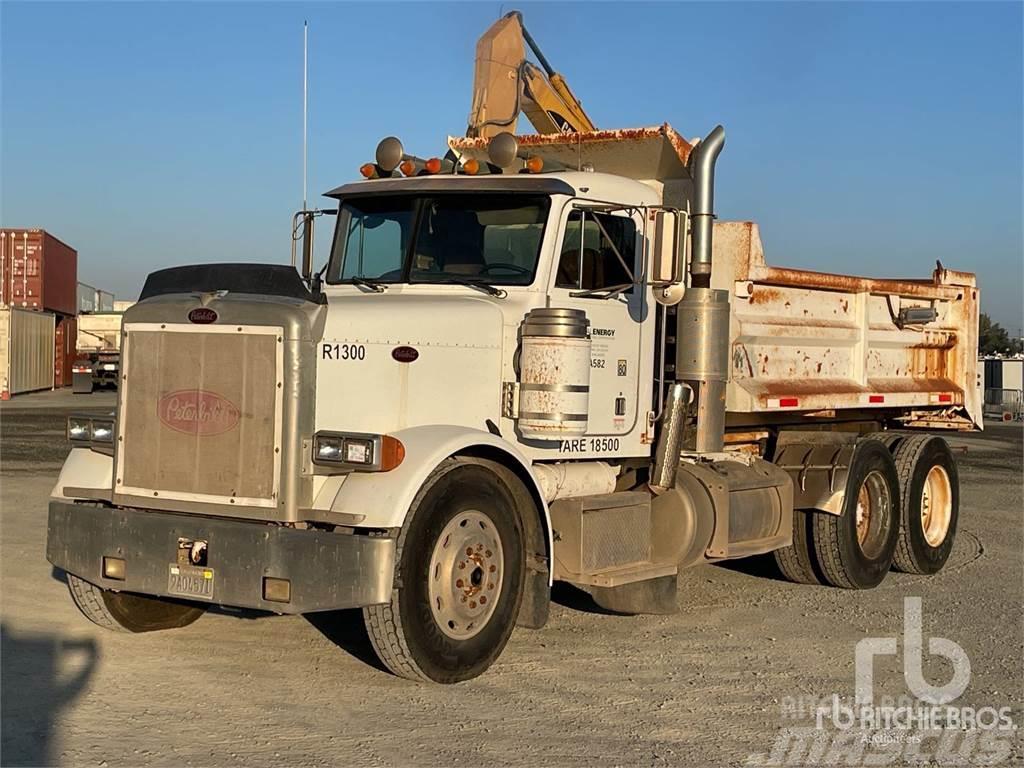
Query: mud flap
(536,605)
(649,596)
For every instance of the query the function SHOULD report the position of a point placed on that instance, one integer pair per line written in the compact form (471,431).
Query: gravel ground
(712,685)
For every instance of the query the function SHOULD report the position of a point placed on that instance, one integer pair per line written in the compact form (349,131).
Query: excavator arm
(506,83)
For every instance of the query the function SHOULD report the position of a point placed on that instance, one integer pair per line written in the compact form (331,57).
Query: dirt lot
(713,684)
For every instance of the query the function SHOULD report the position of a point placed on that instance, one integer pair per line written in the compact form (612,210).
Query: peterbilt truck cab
(536,359)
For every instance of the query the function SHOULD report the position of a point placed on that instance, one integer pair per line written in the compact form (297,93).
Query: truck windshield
(451,238)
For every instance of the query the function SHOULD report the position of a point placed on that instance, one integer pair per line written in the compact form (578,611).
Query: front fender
(384,498)
(85,468)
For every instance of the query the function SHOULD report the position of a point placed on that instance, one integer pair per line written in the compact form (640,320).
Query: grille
(200,415)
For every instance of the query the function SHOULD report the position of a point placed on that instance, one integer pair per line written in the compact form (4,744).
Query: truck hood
(448,373)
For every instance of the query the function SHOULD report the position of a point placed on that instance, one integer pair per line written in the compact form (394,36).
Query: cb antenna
(305,102)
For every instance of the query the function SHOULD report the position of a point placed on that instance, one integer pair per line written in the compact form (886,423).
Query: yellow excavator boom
(506,84)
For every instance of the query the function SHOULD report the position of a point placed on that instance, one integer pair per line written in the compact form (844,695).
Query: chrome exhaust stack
(701,166)
(702,319)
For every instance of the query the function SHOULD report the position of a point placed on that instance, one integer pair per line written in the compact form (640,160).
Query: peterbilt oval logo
(202,315)
(198,412)
(404,354)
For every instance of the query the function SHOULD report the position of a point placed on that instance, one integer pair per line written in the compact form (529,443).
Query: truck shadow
(570,596)
(346,630)
(42,675)
(761,566)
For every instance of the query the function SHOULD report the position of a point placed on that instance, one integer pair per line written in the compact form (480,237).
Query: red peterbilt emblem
(197,412)
(202,315)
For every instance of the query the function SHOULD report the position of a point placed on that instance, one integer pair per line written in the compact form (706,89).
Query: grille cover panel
(201,413)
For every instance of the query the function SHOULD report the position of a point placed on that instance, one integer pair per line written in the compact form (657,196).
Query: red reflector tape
(876,398)
(945,398)
(783,402)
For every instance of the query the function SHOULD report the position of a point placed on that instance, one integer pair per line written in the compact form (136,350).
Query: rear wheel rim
(874,510)
(936,506)
(466,571)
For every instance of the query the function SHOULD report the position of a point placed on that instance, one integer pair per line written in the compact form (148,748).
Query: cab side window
(598,251)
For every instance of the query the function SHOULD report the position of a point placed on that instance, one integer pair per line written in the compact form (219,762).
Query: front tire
(461,564)
(127,612)
(930,498)
(855,549)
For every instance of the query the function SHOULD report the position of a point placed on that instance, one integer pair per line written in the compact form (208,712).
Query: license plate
(190,581)
(109,367)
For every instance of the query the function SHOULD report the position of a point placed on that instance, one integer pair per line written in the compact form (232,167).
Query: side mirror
(302,231)
(307,245)
(668,255)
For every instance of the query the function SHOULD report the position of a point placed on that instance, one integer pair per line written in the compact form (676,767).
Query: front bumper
(327,571)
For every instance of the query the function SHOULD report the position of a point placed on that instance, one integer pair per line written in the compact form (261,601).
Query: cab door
(599,269)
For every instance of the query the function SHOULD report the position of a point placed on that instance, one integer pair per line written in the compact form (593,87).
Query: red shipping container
(38,271)
(65,340)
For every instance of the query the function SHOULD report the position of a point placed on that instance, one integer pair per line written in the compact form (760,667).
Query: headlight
(328,448)
(87,429)
(79,428)
(368,453)
(102,431)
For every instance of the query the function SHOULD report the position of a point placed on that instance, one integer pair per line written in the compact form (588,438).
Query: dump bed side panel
(810,341)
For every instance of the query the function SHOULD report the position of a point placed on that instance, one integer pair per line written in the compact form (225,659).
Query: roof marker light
(433,165)
(534,164)
(369,170)
(471,166)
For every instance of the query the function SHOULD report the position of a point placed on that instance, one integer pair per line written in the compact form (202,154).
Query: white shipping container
(104,301)
(26,351)
(86,298)
(1013,374)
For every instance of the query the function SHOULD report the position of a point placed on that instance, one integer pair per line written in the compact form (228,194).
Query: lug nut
(483,599)
(459,583)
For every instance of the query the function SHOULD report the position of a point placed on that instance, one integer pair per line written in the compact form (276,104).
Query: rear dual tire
(855,549)
(930,498)
(915,477)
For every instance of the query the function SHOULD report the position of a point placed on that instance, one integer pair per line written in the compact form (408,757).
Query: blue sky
(871,138)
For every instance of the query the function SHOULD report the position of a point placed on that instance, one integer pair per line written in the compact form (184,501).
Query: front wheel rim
(465,575)
(936,506)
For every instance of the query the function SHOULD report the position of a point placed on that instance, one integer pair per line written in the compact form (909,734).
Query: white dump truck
(534,359)
(98,350)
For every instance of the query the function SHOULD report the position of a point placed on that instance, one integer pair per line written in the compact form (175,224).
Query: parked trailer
(506,376)
(64,350)
(38,271)
(26,351)
(98,358)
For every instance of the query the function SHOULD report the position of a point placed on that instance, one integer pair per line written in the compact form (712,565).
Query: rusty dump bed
(814,341)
